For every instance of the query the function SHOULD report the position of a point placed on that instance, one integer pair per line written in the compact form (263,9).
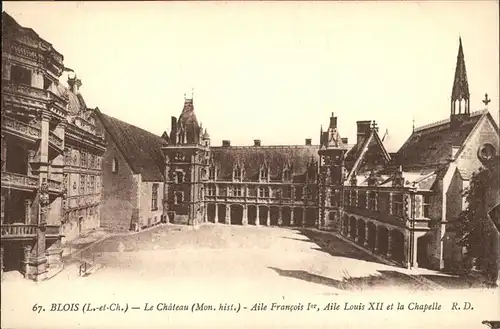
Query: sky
(273,71)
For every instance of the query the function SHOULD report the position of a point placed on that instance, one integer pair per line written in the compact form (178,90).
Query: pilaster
(227,217)
(244,220)
(257,216)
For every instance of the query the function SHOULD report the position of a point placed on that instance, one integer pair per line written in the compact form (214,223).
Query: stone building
(255,185)
(42,123)
(400,205)
(395,204)
(133,181)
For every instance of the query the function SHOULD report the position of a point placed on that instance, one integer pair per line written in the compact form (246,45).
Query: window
(397,204)
(179,177)
(211,190)
(92,184)
(286,175)
(89,184)
(211,173)
(372,200)
(46,83)
(334,198)
(237,191)
(82,184)
(263,192)
(179,197)
(20,75)
(237,173)
(154,197)
(426,206)
(83,161)
(67,156)
(287,192)
(114,165)
(307,193)
(298,193)
(263,174)
(362,199)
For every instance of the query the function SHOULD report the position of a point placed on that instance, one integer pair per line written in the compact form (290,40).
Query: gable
(485,131)
(372,156)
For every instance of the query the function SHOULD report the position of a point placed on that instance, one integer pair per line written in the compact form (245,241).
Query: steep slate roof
(140,148)
(252,158)
(432,144)
(367,154)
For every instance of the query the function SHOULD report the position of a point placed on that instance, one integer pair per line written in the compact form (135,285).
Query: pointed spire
(460,91)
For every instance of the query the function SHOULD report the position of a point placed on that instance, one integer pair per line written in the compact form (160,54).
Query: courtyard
(225,266)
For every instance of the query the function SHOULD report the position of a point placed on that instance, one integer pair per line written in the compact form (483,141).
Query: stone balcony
(27,183)
(32,99)
(21,129)
(19,231)
(19,181)
(30,132)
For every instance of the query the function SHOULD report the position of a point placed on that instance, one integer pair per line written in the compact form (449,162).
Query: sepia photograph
(260,164)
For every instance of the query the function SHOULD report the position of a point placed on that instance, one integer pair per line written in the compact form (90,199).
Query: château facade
(50,155)
(397,205)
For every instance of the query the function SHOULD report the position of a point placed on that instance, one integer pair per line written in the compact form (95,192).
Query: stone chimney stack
(363,130)
(308,141)
(256,142)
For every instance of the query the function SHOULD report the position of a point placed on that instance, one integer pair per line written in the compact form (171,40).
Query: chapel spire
(460,97)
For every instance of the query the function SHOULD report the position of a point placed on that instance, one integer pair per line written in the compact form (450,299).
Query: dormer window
(237,173)
(263,175)
(286,175)
(211,173)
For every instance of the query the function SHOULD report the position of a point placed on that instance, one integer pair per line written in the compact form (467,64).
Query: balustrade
(19,127)
(19,180)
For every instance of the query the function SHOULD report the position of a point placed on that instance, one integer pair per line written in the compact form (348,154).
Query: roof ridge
(440,122)
(266,146)
(131,125)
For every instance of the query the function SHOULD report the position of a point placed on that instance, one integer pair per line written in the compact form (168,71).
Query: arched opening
(221,213)
(274,216)
(236,212)
(252,214)
(382,240)
(263,213)
(345,225)
(372,235)
(423,258)
(361,231)
(352,228)
(311,217)
(287,216)
(211,213)
(397,246)
(298,215)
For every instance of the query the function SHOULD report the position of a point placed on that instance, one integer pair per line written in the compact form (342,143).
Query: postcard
(250,164)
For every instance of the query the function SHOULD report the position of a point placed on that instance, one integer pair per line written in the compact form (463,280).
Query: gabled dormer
(238,172)
(312,170)
(264,173)
(286,173)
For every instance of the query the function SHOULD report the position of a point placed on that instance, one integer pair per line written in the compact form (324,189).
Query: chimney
(173,130)
(226,143)
(256,142)
(308,142)
(344,140)
(363,130)
(333,121)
